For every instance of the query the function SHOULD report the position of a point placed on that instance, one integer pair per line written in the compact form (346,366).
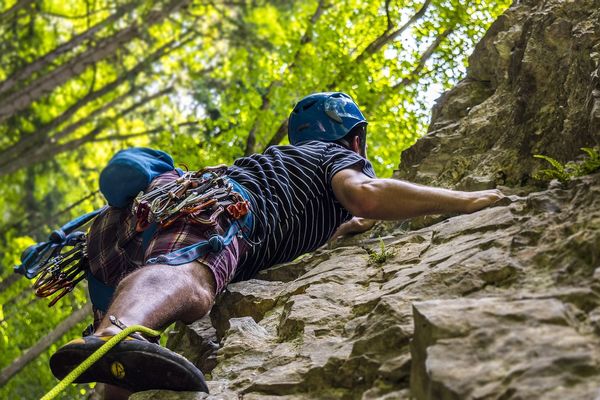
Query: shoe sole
(132,364)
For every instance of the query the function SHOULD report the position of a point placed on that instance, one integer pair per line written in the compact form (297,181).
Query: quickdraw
(201,196)
(60,263)
(239,209)
(62,272)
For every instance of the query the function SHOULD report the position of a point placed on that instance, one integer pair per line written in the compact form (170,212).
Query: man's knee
(203,279)
(194,277)
(202,294)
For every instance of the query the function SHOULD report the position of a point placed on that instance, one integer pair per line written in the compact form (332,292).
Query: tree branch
(376,45)
(5,15)
(18,297)
(389,35)
(40,135)
(388,16)
(45,60)
(412,77)
(243,30)
(106,47)
(65,16)
(45,342)
(40,225)
(142,133)
(8,281)
(51,149)
(306,38)
(279,135)
(88,118)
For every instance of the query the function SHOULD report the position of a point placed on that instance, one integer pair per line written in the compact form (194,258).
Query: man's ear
(356,144)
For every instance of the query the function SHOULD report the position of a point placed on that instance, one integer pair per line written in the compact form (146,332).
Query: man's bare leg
(156,296)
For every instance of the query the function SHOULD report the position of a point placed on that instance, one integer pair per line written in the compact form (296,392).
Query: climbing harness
(94,357)
(199,196)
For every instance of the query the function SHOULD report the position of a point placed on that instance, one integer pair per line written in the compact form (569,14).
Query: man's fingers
(484,198)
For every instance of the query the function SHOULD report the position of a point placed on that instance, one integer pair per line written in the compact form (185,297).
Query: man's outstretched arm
(391,199)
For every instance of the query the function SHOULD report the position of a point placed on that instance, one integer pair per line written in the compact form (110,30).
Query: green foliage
(378,258)
(35,380)
(565,172)
(316,46)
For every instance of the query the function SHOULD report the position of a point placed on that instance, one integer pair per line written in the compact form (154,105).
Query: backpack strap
(100,293)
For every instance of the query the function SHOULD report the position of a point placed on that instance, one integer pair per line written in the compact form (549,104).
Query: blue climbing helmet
(326,116)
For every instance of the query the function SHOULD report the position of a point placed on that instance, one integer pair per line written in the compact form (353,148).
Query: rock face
(533,87)
(483,348)
(500,304)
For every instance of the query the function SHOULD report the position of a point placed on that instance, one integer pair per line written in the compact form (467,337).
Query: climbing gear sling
(57,269)
(199,196)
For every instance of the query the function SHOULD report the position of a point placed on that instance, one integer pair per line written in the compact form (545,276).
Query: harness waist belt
(241,223)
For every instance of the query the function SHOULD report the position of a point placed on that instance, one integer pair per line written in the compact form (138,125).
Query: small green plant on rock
(380,257)
(572,169)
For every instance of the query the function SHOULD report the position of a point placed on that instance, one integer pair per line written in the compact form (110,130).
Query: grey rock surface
(500,304)
(532,87)
(502,348)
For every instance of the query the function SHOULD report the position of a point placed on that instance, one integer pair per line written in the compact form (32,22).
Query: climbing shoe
(133,364)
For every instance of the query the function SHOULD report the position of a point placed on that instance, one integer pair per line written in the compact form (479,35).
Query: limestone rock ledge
(501,304)
(500,348)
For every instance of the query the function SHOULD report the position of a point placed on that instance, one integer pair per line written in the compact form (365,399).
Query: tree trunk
(34,139)
(6,15)
(8,281)
(23,98)
(36,66)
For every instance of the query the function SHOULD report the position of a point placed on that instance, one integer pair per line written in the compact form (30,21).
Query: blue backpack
(130,171)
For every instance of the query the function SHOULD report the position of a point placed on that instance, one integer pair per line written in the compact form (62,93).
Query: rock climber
(298,195)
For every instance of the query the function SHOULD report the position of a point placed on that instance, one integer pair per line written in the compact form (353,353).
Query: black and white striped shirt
(294,206)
